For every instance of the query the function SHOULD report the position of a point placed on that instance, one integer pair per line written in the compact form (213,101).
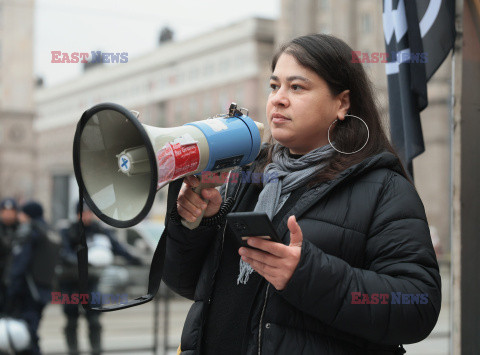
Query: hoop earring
(363,146)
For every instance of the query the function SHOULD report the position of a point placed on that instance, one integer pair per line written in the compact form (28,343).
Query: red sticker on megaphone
(176,159)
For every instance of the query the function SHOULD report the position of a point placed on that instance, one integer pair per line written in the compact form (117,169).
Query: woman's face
(300,107)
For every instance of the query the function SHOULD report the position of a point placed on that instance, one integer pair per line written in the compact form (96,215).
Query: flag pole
(455,317)
(450,198)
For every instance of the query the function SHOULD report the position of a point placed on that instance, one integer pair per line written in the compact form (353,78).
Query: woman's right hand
(190,204)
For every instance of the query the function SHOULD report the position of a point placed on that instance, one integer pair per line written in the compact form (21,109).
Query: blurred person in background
(68,277)
(8,228)
(30,271)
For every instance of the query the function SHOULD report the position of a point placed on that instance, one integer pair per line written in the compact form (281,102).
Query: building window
(366,23)
(60,197)
(240,61)
(193,74)
(180,77)
(239,96)
(207,103)
(194,109)
(208,69)
(224,64)
(177,114)
(223,102)
(323,28)
(161,113)
(323,4)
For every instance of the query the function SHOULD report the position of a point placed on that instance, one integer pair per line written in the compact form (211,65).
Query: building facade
(17,140)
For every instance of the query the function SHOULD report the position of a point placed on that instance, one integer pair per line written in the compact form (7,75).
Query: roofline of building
(167,54)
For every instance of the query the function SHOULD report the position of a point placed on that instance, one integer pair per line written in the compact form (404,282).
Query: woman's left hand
(277,262)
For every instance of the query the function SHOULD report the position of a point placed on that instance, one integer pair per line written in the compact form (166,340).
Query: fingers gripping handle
(198,190)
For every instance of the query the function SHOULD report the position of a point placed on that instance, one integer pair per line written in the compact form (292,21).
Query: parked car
(141,239)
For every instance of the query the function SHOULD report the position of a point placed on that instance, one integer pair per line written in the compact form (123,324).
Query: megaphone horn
(120,163)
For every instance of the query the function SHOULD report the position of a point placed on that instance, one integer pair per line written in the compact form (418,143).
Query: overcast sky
(127,26)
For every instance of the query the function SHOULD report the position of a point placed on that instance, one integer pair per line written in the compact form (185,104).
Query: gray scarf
(282,176)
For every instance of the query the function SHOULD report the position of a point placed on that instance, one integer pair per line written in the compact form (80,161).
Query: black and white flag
(419,34)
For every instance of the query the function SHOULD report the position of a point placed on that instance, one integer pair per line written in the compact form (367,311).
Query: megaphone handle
(197,190)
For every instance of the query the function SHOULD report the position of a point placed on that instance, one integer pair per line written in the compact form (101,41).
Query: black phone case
(251,224)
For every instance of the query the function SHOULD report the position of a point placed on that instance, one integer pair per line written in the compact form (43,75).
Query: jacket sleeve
(399,261)
(186,250)
(184,257)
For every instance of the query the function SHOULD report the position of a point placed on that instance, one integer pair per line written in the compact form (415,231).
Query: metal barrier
(164,296)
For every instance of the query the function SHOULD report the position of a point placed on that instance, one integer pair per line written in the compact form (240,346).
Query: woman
(357,274)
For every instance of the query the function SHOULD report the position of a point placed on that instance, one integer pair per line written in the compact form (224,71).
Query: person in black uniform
(69,278)
(353,228)
(8,228)
(28,285)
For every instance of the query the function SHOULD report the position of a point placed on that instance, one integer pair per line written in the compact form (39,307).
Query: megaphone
(120,163)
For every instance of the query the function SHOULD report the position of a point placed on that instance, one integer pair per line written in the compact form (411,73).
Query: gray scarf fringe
(282,176)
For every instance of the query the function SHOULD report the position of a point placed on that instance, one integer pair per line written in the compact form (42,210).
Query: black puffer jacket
(363,233)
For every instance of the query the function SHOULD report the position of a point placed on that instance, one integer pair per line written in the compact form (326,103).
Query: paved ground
(133,329)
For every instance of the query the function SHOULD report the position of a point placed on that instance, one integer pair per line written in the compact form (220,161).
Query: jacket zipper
(225,226)
(261,319)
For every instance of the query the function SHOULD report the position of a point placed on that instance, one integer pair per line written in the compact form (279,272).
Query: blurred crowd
(36,259)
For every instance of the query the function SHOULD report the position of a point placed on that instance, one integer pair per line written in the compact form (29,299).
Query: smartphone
(252,224)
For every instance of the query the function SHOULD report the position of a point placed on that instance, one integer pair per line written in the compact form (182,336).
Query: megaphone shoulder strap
(156,268)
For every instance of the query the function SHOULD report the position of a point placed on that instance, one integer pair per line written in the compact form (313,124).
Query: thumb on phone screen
(296,236)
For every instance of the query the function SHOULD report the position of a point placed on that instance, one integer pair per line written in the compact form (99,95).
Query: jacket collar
(385,160)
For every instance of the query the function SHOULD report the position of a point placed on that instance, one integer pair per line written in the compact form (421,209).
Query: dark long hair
(331,59)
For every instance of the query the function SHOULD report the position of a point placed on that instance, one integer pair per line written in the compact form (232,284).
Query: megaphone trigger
(198,190)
